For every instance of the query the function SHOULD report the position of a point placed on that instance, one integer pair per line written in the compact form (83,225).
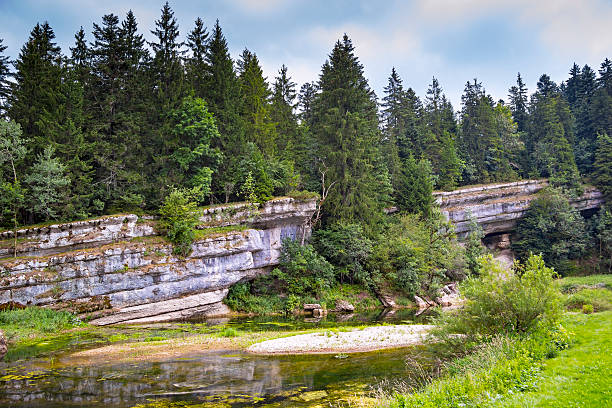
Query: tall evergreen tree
(195,64)
(282,110)
(346,126)
(551,135)
(439,139)
(224,99)
(5,73)
(518,103)
(306,98)
(602,174)
(256,94)
(36,87)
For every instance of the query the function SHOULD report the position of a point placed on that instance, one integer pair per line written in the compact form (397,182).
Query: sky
(452,40)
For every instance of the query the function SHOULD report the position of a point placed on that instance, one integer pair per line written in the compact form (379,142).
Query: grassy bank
(537,370)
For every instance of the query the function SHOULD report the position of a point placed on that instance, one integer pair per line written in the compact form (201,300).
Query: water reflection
(234,379)
(220,375)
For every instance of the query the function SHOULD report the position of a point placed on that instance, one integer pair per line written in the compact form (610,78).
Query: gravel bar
(354,341)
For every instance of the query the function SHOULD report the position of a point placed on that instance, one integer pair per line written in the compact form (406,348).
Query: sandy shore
(356,340)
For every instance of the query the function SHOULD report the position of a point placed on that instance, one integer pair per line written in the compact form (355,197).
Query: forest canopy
(119,122)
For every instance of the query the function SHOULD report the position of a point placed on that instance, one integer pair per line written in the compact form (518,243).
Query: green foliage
(346,127)
(587,309)
(603,234)
(415,187)
(602,176)
(347,247)
(519,300)
(415,256)
(302,271)
(473,247)
(553,228)
(23,323)
(179,216)
(47,181)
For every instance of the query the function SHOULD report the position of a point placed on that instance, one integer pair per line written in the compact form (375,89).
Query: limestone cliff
(118,263)
(497,207)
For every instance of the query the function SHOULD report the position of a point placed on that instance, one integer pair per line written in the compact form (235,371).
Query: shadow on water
(214,378)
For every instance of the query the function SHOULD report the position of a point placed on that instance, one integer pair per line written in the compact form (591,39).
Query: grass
(580,291)
(213,231)
(580,376)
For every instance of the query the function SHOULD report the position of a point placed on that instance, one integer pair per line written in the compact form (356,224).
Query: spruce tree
(282,111)
(518,103)
(47,181)
(550,136)
(346,125)
(224,100)
(256,94)
(36,87)
(195,64)
(5,73)
(602,174)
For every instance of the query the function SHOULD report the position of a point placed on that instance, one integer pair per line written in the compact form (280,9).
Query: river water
(216,379)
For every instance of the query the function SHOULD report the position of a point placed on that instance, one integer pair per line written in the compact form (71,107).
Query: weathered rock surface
(3,347)
(497,207)
(342,306)
(119,262)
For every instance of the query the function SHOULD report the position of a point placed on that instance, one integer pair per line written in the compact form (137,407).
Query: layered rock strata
(118,263)
(498,207)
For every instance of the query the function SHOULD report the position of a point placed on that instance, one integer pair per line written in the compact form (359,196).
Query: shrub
(347,247)
(553,228)
(179,217)
(302,270)
(514,301)
(587,309)
(415,255)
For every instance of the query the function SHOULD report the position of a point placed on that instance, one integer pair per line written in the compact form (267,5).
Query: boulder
(311,306)
(3,347)
(421,304)
(448,295)
(342,306)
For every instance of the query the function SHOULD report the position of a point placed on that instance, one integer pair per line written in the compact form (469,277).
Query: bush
(347,247)
(179,217)
(415,255)
(553,228)
(587,309)
(302,270)
(499,301)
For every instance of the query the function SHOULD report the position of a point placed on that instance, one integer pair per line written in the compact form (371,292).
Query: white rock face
(76,263)
(497,207)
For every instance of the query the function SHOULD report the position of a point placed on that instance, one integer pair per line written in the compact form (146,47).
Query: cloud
(568,27)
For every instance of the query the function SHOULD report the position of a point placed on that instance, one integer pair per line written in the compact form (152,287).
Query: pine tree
(224,99)
(36,87)
(346,126)
(550,136)
(605,76)
(167,68)
(439,138)
(195,64)
(5,73)
(602,175)
(256,94)
(518,103)
(282,111)
(306,97)
(47,181)
(415,188)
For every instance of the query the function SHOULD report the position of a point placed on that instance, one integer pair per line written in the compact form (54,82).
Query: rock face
(119,262)
(497,207)
(3,347)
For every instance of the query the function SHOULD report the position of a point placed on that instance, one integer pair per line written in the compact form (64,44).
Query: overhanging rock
(120,265)
(498,207)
